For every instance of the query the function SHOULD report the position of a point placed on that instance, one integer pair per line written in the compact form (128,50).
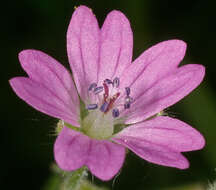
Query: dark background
(27,135)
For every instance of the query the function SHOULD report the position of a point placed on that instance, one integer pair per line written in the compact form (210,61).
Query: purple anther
(128,99)
(104,107)
(127,89)
(92,86)
(116,82)
(91,106)
(108,81)
(115,112)
(98,89)
(131,100)
(127,105)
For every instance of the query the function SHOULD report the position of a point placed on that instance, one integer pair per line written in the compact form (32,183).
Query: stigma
(106,96)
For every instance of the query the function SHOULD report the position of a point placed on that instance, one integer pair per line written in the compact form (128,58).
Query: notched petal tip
(117,17)
(116,14)
(200,71)
(198,141)
(178,47)
(25,56)
(82,7)
(26,53)
(178,43)
(201,144)
(30,57)
(183,163)
(13,82)
(83,10)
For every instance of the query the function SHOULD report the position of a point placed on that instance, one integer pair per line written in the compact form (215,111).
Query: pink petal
(83,48)
(154,64)
(155,153)
(167,132)
(166,92)
(43,99)
(105,159)
(73,150)
(116,46)
(49,88)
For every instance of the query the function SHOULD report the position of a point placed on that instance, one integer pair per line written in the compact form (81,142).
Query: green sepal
(72,127)
(83,111)
(118,127)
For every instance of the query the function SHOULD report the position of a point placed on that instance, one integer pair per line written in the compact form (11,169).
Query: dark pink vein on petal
(52,94)
(118,58)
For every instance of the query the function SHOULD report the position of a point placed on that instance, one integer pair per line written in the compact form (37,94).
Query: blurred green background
(27,135)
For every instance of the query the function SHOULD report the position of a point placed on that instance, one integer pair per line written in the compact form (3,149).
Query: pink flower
(122,99)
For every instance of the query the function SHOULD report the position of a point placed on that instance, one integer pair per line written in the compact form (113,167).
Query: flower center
(107,102)
(111,93)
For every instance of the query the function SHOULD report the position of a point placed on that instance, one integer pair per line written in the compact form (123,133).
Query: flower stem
(76,180)
(73,180)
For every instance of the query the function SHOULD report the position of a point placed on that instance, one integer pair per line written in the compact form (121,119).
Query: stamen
(99,89)
(110,95)
(128,99)
(131,100)
(92,86)
(127,89)
(104,107)
(115,96)
(127,105)
(108,81)
(116,82)
(92,106)
(106,91)
(115,112)
(112,100)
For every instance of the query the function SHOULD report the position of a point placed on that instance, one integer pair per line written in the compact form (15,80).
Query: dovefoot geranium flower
(122,99)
